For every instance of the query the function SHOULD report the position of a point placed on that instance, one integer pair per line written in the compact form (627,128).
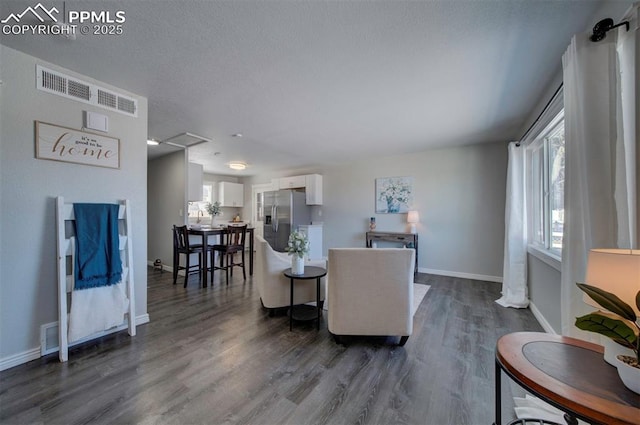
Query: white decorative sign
(79,147)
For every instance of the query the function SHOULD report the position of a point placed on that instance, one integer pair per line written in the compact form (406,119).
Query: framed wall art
(394,194)
(57,143)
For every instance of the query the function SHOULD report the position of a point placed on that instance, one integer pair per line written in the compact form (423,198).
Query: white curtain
(597,184)
(514,272)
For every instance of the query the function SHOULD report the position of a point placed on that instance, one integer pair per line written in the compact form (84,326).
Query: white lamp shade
(413,217)
(616,271)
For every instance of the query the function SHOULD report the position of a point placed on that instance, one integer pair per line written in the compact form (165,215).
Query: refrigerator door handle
(275,216)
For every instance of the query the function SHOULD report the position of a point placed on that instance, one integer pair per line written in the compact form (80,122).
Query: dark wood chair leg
(175,266)
(226,269)
(244,272)
(213,263)
(186,271)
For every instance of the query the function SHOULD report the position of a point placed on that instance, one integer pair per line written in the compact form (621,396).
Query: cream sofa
(371,292)
(274,287)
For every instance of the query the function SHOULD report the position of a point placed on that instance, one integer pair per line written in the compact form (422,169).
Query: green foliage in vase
(214,209)
(621,325)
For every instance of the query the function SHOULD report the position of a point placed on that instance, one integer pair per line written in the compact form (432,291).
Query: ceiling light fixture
(236,135)
(237,165)
(152,142)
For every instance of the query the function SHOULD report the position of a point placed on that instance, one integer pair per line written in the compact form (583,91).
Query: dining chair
(181,245)
(231,242)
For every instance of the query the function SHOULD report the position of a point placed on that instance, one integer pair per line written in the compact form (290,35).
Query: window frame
(539,162)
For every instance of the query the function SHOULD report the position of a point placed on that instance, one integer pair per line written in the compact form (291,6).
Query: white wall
(544,293)
(28,187)
(167,198)
(459,192)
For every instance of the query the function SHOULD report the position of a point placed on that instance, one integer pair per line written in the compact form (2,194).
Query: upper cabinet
(313,189)
(312,184)
(292,182)
(231,194)
(194,182)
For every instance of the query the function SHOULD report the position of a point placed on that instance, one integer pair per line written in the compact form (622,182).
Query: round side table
(310,272)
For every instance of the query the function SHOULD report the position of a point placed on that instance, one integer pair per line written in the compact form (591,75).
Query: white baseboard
(461,275)
(35,353)
(541,319)
(20,358)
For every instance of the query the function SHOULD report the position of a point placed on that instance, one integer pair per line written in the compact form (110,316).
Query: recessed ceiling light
(236,165)
(237,135)
(152,142)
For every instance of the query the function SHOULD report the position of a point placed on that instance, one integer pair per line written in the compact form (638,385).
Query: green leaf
(609,301)
(615,329)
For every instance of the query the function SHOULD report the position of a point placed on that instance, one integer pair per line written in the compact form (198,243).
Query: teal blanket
(98,260)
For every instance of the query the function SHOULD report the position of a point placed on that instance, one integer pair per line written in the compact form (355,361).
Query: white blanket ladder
(66,251)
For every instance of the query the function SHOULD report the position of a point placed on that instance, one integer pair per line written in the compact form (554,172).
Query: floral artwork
(394,194)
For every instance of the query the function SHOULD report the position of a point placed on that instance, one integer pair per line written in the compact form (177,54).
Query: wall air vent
(72,88)
(107,99)
(126,104)
(52,82)
(79,90)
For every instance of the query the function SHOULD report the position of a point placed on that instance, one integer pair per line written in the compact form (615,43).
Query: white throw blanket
(96,309)
(532,407)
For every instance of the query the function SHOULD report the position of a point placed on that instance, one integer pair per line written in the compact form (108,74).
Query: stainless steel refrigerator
(283,211)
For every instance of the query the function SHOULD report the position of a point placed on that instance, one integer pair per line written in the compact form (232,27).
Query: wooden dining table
(205,232)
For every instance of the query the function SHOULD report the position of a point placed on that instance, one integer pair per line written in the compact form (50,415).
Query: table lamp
(413,218)
(616,271)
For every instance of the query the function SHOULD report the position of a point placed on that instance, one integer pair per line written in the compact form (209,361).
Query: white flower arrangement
(298,244)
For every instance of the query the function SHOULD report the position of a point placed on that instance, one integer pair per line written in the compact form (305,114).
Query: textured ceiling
(317,82)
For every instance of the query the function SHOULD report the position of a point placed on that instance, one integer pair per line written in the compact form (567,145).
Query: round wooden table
(567,373)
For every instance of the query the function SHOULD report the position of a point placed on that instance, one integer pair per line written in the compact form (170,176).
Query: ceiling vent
(72,88)
(186,140)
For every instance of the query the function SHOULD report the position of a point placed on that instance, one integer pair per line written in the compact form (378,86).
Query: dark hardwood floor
(214,356)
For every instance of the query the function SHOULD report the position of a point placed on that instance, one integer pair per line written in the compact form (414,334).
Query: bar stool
(181,245)
(232,242)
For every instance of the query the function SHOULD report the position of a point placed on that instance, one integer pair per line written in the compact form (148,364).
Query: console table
(407,239)
(567,373)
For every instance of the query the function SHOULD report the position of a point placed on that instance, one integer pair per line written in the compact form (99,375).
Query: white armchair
(274,287)
(371,292)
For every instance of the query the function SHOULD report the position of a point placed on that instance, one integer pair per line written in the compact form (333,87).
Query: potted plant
(214,211)
(297,247)
(620,324)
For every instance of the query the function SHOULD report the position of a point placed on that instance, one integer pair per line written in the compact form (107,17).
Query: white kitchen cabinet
(292,182)
(314,233)
(313,189)
(194,182)
(231,194)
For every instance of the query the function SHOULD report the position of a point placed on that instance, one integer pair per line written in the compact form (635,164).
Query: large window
(547,187)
